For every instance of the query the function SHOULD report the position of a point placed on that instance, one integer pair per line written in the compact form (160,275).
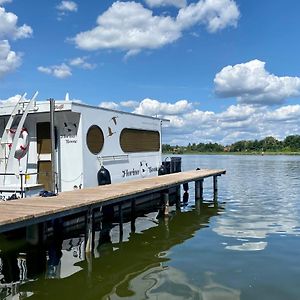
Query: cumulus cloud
(251,83)
(131,27)
(176,3)
(9,60)
(9,28)
(236,122)
(81,62)
(109,105)
(11,100)
(69,6)
(214,14)
(60,71)
(130,104)
(154,107)
(284,113)
(64,70)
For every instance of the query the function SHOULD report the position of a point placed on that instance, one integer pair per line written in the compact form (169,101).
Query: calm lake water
(246,247)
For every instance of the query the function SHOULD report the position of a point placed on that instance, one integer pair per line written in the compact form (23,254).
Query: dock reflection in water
(136,267)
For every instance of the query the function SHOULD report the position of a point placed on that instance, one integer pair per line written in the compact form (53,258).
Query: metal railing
(22,181)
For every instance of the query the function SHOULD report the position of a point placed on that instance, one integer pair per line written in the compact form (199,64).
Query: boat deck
(24,212)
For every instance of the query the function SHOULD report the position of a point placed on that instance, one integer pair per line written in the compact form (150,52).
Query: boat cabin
(127,145)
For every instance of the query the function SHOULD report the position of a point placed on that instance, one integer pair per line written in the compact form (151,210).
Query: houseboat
(67,146)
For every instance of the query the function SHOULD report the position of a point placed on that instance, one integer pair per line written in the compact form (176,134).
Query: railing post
(22,184)
(52,133)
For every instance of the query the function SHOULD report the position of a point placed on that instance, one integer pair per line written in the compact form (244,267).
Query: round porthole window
(95,139)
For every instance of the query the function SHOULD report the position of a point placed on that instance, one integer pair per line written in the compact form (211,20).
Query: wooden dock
(30,211)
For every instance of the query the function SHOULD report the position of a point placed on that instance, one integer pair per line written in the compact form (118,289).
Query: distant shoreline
(234,153)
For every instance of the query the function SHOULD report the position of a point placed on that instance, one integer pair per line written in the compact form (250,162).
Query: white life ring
(23,143)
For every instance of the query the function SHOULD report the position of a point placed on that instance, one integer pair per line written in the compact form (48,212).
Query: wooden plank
(33,210)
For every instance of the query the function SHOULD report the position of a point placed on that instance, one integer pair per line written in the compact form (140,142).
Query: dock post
(132,221)
(89,231)
(120,222)
(178,197)
(36,234)
(185,186)
(199,189)
(215,188)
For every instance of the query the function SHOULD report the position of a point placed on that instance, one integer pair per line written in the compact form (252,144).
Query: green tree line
(269,144)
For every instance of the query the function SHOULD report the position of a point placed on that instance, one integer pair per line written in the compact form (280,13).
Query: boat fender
(103,176)
(161,170)
(23,143)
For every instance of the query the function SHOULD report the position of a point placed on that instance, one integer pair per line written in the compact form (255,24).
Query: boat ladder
(8,145)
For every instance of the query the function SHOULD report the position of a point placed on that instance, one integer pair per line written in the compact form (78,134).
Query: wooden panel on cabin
(43,138)
(44,174)
(136,140)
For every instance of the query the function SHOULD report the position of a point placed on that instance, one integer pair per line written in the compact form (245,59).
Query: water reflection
(262,198)
(136,266)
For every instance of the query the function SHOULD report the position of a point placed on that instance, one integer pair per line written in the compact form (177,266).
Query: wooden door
(44,155)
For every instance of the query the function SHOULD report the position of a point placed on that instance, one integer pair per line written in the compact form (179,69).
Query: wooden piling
(215,188)
(178,197)
(36,234)
(120,223)
(199,190)
(133,216)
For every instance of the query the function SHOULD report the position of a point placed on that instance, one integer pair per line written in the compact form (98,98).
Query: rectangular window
(137,140)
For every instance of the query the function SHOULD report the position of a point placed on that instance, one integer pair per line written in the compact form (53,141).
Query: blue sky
(220,70)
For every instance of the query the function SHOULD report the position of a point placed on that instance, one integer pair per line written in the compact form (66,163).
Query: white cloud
(176,3)
(5,1)
(69,6)
(237,113)
(215,14)
(131,27)
(155,108)
(9,28)
(60,71)
(109,105)
(9,60)
(237,122)
(11,100)
(130,104)
(251,83)
(81,62)
(285,113)
(64,70)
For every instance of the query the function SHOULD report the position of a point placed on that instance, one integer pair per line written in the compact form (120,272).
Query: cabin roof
(62,105)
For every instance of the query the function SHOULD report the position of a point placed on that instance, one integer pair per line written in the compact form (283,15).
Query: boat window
(95,139)
(136,140)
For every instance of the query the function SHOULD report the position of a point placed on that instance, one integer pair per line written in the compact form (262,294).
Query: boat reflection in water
(136,267)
